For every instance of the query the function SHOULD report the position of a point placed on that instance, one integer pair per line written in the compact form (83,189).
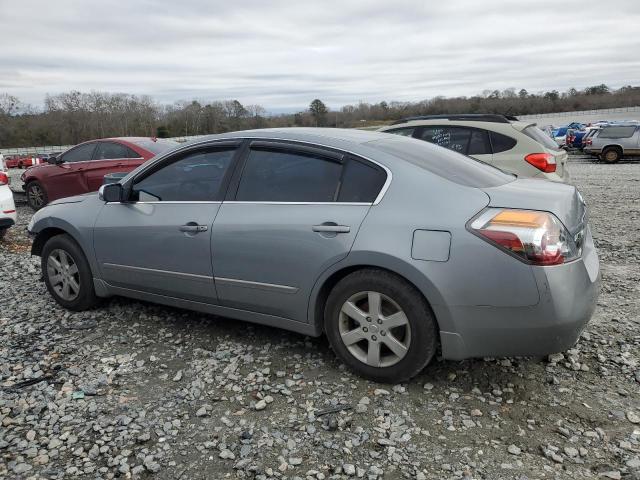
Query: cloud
(282,54)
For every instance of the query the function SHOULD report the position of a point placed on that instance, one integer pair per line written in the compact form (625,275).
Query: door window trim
(179,155)
(330,153)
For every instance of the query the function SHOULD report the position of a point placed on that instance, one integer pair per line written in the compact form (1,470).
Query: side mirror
(53,160)
(111,192)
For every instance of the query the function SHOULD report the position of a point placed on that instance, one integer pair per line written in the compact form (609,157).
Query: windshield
(445,163)
(561,131)
(539,136)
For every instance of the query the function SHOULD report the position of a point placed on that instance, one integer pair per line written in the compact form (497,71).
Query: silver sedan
(390,246)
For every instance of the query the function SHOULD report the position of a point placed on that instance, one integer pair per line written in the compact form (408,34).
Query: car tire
(36,195)
(611,155)
(67,274)
(365,344)
(3,232)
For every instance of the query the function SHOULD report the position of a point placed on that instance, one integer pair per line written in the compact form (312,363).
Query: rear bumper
(568,296)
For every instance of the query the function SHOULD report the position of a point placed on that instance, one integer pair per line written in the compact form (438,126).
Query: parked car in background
(511,145)
(8,215)
(82,168)
(392,247)
(574,138)
(586,139)
(614,142)
(560,136)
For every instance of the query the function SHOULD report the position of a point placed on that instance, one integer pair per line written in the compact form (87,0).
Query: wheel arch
(44,235)
(369,260)
(613,145)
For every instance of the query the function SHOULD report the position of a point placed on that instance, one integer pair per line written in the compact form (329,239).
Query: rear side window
(479,143)
(110,150)
(501,143)
(281,176)
(617,132)
(195,177)
(361,182)
(80,154)
(539,136)
(405,132)
(453,138)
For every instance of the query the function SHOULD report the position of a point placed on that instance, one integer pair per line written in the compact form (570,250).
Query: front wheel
(36,195)
(67,273)
(380,326)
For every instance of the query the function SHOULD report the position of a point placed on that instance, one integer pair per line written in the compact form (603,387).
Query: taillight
(588,142)
(534,237)
(4,179)
(542,161)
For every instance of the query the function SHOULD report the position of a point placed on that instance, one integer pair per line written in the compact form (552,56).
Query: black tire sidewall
(86,298)
(45,199)
(424,333)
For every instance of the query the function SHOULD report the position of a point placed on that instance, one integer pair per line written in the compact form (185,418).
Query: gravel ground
(134,390)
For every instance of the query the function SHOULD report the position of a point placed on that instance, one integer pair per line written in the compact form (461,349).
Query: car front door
(108,157)
(293,212)
(66,178)
(159,241)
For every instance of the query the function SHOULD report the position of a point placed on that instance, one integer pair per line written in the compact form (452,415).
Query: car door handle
(193,228)
(331,228)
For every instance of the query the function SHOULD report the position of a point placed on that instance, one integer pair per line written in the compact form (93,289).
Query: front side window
(197,176)
(453,138)
(110,150)
(501,143)
(288,176)
(80,154)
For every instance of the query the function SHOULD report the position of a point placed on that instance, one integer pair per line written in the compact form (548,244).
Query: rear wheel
(67,273)
(380,326)
(36,195)
(611,155)
(3,232)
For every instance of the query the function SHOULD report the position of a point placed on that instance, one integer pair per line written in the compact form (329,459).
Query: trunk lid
(561,199)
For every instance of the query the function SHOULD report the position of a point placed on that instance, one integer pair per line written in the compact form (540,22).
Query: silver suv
(504,142)
(614,142)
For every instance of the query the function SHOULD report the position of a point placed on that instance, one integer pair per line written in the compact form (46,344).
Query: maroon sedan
(81,169)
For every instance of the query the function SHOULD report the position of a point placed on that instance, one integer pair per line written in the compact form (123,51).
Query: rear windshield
(158,146)
(539,136)
(445,163)
(617,132)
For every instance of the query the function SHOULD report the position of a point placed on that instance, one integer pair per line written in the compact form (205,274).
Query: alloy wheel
(36,196)
(63,274)
(374,329)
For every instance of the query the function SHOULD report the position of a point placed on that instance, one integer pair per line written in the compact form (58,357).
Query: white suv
(8,215)
(504,142)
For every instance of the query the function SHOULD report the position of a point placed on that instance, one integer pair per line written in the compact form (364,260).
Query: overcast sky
(283,54)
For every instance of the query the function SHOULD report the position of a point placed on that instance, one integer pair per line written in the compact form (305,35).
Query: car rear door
(293,211)
(66,178)
(108,157)
(159,242)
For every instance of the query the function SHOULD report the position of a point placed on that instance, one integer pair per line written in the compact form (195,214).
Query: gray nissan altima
(390,246)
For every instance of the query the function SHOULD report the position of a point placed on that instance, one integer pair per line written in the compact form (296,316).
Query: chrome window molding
(377,200)
(268,202)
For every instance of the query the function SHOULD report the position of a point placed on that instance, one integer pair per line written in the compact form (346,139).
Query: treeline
(73,117)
